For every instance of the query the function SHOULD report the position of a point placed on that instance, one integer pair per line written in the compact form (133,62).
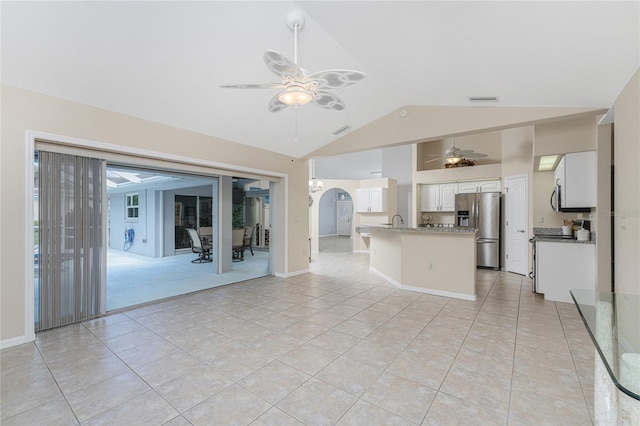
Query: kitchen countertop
(562,240)
(452,230)
(548,235)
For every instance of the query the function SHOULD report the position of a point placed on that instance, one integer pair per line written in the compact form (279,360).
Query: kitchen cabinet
(371,200)
(576,175)
(438,197)
(479,186)
(564,266)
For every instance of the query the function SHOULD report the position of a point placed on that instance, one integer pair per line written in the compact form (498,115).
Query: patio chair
(237,244)
(197,246)
(248,238)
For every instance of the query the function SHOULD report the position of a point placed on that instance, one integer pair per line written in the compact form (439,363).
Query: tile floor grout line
(575,367)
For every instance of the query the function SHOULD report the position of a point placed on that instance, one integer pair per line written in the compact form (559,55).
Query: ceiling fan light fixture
(453,160)
(295,96)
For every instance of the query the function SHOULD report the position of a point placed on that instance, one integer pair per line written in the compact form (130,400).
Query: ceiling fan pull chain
(295,43)
(295,136)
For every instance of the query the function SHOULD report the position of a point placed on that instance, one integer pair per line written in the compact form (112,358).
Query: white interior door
(344,210)
(516,224)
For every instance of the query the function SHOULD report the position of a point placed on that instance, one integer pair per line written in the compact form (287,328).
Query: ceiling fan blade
(276,104)
(281,66)
(474,155)
(253,86)
(465,151)
(329,101)
(336,79)
(435,159)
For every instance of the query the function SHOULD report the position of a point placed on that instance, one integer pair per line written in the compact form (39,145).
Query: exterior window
(132,206)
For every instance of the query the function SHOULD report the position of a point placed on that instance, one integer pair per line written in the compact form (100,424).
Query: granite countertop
(547,235)
(428,230)
(562,240)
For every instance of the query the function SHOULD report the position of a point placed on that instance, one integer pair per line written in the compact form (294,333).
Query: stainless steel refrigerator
(482,211)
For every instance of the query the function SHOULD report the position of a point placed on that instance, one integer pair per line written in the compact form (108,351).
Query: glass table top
(613,322)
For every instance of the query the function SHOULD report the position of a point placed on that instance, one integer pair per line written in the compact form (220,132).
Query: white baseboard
(291,274)
(15,341)
(362,251)
(453,295)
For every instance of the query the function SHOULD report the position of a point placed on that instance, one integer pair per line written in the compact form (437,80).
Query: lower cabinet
(561,267)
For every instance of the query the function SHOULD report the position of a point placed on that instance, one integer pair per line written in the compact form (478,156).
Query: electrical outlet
(540,219)
(623,222)
(431,266)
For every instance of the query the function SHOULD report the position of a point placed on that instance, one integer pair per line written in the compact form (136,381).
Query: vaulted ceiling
(165,61)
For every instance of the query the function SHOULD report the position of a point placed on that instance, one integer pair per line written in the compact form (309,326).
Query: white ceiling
(164,61)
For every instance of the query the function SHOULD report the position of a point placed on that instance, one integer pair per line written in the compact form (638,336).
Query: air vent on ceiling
(483,99)
(342,129)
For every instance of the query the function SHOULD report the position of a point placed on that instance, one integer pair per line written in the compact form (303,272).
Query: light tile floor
(337,345)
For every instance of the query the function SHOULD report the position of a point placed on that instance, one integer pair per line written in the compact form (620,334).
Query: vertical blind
(70,257)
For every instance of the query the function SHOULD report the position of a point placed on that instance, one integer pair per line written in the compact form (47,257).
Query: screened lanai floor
(133,279)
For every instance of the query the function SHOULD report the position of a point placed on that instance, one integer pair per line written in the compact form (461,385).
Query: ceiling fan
(298,86)
(454,155)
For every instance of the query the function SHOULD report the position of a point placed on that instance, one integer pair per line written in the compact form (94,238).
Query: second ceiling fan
(298,86)
(454,155)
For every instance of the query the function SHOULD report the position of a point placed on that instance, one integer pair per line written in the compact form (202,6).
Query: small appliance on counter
(583,235)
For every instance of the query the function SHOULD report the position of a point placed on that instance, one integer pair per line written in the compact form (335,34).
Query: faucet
(393,218)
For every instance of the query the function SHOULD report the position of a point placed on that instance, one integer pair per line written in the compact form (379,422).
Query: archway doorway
(335,221)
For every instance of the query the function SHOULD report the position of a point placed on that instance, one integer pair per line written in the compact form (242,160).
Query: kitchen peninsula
(439,261)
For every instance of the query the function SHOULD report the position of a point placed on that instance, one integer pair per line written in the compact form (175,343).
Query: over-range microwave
(556,203)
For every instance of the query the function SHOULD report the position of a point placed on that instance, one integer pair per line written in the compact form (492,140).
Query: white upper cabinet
(448,196)
(479,186)
(371,200)
(438,197)
(467,187)
(429,197)
(577,176)
(490,185)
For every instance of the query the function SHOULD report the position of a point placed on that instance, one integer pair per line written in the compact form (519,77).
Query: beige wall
(627,187)
(23,110)
(566,136)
